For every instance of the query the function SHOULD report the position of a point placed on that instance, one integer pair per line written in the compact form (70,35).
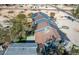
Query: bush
(10,11)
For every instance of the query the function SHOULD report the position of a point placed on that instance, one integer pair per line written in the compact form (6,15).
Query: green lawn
(30,38)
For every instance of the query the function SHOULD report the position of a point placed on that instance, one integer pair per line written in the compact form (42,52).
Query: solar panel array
(21,49)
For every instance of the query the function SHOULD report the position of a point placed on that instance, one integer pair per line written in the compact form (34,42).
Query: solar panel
(1,52)
(21,49)
(23,45)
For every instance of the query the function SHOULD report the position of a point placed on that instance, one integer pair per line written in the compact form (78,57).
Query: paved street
(72,32)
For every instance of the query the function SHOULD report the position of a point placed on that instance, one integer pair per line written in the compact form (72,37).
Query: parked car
(68,17)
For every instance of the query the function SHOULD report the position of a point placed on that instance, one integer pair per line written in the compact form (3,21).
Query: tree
(75,12)
(30,15)
(18,29)
(29,25)
(5,35)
